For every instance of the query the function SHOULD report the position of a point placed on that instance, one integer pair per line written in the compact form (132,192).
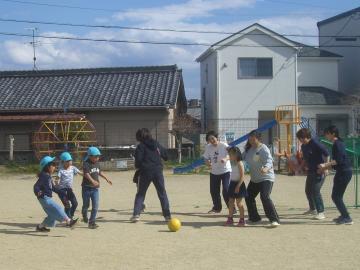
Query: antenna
(33,43)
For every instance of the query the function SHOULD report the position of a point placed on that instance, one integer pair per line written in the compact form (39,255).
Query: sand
(202,242)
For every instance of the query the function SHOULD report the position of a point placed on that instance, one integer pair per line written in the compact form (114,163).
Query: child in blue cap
(43,191)
(91,184)
(64,188)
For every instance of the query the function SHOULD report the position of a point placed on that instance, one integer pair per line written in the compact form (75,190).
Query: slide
(200,162)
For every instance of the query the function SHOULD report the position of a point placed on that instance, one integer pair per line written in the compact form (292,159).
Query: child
(43,191)
(64,188)
(217,158)
(237,188)
(314,153)
(148,159)
(91,184)
(341,163)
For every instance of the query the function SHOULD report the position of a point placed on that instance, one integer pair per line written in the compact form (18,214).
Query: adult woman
(260,161)
(314,154)
(148,155)
(341,163)
(217,158)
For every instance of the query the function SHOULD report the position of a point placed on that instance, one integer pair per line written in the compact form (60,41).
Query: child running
(91,184)
(43,191)
(341,163)
(237,188)
(64,188)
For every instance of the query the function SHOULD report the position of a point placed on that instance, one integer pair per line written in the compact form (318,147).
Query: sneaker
(93,226)
(167,218)
(72,223)
(213,211)
(135,219)
(345,221)
(274,224)
(229,221)
(42,229)
(85,219)
(320,216)
(143,208)
(310,212)
(241,223)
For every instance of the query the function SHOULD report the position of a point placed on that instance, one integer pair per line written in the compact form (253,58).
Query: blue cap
(45,161)
(92,151)
(65,156)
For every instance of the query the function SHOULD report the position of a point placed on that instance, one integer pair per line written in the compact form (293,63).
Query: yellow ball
(174,224)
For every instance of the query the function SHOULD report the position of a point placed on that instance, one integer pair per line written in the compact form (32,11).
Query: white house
(341,35)
(246,75)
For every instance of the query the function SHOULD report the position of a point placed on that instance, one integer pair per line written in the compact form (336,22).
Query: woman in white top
(217,158)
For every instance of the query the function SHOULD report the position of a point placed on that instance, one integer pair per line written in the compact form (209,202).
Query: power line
(167,43)
(162,29)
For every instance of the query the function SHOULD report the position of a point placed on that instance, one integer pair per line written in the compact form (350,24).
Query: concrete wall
(115,128)
(326,71)
(244,98)
(349,65)
(208,73)
(22,133)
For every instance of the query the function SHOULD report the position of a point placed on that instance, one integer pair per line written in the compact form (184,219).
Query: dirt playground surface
(202,242)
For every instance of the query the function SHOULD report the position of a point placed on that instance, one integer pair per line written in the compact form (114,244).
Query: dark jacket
(148,155)
(339,155)
(43,184)
(314,153)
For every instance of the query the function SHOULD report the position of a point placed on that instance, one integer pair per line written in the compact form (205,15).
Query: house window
(249,68)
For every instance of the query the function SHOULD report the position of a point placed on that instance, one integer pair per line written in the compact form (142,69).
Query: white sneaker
(320,216)
(135,219)
(274,224)
(310,212)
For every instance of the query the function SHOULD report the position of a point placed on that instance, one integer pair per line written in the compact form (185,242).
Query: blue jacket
(148,156)
(43,184)
(314,153)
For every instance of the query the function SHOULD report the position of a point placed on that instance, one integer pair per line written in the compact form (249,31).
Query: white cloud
(79,54)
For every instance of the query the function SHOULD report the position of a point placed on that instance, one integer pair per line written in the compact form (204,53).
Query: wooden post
(11,152)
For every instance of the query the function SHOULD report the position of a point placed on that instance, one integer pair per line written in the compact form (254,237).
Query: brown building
(117,101)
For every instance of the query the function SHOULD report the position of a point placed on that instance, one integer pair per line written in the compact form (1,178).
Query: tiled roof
(98,88)
(320,96)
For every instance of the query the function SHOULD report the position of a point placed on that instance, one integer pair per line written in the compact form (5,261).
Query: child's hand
(237,188)
(95,184)
(264,170)
(224,160)
(40,194)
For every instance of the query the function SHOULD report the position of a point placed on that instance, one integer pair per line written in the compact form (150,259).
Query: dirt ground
(202,242)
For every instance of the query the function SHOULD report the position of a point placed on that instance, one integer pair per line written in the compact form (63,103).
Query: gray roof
(339,16)
(320,96)
(96,88)
(309,51)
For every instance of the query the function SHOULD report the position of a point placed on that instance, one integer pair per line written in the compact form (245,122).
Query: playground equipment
(200,162)
(65,132)
(288,116)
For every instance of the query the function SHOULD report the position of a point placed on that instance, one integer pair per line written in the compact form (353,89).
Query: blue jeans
(215,183)
(54,211)
(313,186)
(90,193)
(341,181)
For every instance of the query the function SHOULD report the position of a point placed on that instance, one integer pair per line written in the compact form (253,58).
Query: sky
(16,52)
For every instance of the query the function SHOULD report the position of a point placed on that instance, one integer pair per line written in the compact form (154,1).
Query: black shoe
(93,226)
(72,223)
(42,229)
(85,219)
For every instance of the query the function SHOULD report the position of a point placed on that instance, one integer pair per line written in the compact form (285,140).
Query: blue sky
(282,16)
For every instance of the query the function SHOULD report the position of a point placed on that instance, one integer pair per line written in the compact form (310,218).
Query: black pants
(341,181)
(264,188)
(215,183)
(157,178)
(313,185)
(69,201)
